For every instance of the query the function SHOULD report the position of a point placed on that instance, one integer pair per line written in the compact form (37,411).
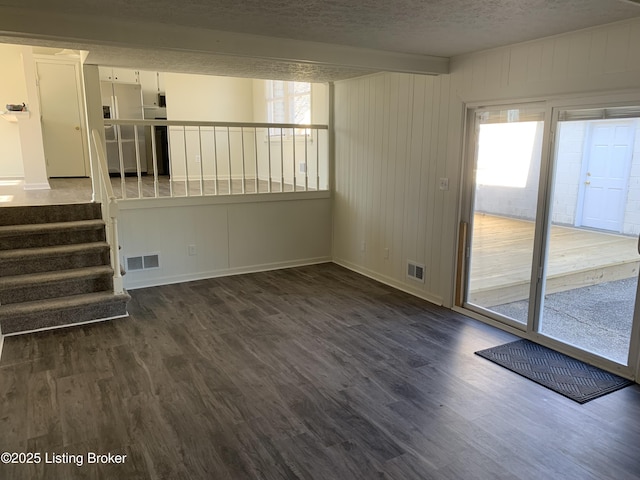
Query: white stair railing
(215,158)
(109,205)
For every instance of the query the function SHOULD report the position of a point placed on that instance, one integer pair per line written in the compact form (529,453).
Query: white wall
(397,134)
(211,99)
(515,202)
(391,135)
(208,98)
(243,236)
(311,152)
(13,89)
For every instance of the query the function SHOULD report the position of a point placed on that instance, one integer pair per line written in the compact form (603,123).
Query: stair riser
(26,265)
(49,214)
(62,288)
(52,238)
(62,317)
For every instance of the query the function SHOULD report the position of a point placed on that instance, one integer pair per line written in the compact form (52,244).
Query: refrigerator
(123,101)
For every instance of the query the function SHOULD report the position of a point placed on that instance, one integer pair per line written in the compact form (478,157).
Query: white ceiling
(413,28)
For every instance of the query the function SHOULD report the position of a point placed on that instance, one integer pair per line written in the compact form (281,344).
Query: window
(288,102)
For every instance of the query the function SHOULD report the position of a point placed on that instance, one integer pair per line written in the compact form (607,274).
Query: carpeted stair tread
(41,228)
(49,213)
(55,268)
(60,302)
(51,234)
(50,277)
(62,311)
(52,250)
(59,257)
(52,284)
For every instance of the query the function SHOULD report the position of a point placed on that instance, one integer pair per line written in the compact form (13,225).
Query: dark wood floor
(308,373)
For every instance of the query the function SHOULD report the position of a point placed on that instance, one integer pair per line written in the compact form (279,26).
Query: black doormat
(562,374)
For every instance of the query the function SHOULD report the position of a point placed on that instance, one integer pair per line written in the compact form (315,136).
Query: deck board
(502,256)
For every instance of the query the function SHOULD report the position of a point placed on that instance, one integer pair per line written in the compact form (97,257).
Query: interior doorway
(62,119)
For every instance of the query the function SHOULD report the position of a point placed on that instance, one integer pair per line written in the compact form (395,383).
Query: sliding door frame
(552,108)
(467,203)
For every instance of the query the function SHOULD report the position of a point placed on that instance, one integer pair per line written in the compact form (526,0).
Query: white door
(607,175)
(61,120)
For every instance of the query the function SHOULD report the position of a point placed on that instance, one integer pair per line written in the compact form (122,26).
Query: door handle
(587,182)
(77,128)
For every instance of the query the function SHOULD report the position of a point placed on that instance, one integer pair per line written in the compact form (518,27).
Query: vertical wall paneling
(633,54)
(560,58)
(398,134)
(616,49)
(377,247)
(597,53)
(400,168)
(425,210)
(412,189)
(391,169)
(578,65)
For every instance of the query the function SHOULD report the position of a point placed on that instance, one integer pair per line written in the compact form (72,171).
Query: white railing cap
(180,123)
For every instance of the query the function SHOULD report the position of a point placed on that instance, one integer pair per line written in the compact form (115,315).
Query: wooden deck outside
(502,255)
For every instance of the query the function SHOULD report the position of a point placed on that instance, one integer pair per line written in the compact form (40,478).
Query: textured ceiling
(429,27)
(206,64)
(442,28)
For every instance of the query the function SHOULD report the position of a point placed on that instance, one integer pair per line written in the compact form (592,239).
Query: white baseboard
(37,186)
(190,277)
(392,282)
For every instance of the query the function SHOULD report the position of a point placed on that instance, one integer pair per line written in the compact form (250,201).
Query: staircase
(55,268)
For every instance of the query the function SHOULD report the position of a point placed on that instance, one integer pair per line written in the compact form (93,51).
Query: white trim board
(390,282)
(223,272)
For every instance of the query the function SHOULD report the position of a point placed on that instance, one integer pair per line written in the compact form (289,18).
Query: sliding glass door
(508,151)
(552,238)
(591,273)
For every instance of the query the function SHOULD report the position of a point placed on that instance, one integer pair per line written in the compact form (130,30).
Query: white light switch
(444,183)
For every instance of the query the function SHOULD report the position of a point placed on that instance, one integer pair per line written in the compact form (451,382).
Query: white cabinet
(149,82)
(123,75)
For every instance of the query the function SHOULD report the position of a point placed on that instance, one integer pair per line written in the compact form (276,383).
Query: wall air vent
(143,262)
(415,271)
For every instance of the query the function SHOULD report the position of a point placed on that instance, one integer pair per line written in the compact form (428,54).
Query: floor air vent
(415,271)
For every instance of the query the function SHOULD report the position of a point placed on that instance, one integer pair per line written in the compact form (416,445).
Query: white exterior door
(61,120)
(606,178)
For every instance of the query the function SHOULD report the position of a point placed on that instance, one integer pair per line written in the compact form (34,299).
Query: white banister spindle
(269,147)
(186,162)
(118,287)
(215,162)
(244,175)
(255,150)
(317,160)
(123,184)
(170,161)
(109,207)
(201,161)
(281,161)
(138,169)
(229,158)
(154,156)
(306,165)
(293,144)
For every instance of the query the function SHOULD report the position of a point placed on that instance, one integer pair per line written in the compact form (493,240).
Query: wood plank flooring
(306,373)
(502,255)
